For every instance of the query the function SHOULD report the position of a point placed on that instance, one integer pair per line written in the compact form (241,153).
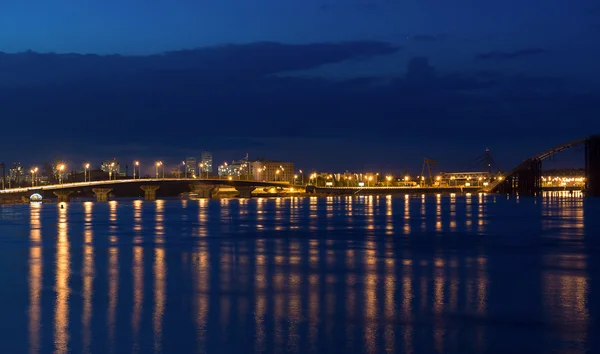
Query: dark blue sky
(346,84)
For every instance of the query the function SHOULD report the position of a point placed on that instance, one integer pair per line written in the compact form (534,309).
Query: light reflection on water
(441,274)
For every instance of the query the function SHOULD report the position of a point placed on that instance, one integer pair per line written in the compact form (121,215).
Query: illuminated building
(190,166)
(234,169)
(263,170)
(207,162)
(16,174)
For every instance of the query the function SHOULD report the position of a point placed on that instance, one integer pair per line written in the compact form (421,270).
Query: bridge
(203,188)
(526,178)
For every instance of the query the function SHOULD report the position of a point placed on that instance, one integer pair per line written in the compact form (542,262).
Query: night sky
(329,85)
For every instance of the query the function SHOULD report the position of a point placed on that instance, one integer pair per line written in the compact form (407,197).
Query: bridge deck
(143,180)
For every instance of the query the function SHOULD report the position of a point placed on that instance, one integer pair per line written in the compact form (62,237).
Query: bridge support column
(204,190)
(150,192)
(245,192)
(63,196)
(101,194)
(592,166)
(530,179)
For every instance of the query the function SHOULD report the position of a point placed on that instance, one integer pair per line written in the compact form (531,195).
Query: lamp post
(110,171)
(389,179)
(136,165)
(33,172)
(200,168)
(85,172)
(184,169)
(61,168)
(157,164)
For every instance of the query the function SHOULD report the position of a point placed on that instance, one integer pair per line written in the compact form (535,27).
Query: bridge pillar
(150,192)
(529,181)
(63,196)
(101,194)
(204,190)
(245,192)
(592,166)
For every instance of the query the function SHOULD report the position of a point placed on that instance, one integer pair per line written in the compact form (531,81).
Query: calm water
(464,274)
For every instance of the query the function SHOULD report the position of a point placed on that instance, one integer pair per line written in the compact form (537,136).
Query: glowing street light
(86,167)
(61,168)
(200,168)
(136,165)
(110,171)
(157,164)
(389,179)
(33,172)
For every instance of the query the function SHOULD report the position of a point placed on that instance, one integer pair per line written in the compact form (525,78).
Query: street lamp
(295,178)
(157,164)
(184,169)
(136,164)
(61,168)
(301,177)
(110,171)
(389,178)
(369,179)
(200,168)
(33,172)
(86,167)
(277,174)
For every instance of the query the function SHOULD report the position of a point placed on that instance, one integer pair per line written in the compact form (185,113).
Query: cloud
(233,61)
(226,99)
(510,55)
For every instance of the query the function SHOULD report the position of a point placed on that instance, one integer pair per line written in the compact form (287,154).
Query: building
(264,170)
(234,169)
(206,162)
(190,167)
(112,167)
(16,175)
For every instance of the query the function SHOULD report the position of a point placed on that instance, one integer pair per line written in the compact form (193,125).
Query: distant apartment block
(264,170)
(190,167)
(206,162)
(234,169)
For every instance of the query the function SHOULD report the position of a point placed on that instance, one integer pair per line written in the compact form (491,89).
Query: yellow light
(61,167)
(137,163)
(389,178)
(230,178)
(87,165)
(406,178)
(438,178)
